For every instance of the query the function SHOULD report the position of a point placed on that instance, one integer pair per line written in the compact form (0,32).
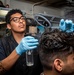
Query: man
(14,46)
(56,51)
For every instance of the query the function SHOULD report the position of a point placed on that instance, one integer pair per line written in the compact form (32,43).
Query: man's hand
(27,43)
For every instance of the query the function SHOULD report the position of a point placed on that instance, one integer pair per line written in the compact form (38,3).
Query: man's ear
(58,64)
(8,26)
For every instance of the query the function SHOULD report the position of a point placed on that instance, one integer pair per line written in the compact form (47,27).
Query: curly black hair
(55,44)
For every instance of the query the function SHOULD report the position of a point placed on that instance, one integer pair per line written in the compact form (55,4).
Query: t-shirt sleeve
(2,52)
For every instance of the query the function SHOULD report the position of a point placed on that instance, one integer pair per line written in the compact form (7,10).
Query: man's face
(68,67)
(17,23)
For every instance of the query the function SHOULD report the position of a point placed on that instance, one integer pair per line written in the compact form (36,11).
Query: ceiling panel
(53,3)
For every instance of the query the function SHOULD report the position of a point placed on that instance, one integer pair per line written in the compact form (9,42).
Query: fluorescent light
(3,12)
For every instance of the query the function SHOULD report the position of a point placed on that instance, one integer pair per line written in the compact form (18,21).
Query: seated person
(56,51)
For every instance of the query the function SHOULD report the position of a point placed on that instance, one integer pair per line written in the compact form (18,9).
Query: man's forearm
(2,69)
(8,62)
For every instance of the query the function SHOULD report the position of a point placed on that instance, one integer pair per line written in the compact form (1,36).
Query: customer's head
(15,20)
(56,50)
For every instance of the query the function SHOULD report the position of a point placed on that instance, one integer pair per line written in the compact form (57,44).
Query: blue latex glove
(69,26)
(62,25)
(41,29)
(27,43)
(66,25)
(73,27)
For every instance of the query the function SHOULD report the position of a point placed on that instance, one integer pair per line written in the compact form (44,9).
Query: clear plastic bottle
(29,53)
(29,58)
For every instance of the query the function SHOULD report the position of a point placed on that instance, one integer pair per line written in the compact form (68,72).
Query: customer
(56,51)
(14,46)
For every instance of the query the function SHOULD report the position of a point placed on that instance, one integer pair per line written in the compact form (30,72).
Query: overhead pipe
(38,3)
(46,20)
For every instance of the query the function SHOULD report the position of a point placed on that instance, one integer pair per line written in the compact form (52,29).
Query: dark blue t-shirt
(7,45)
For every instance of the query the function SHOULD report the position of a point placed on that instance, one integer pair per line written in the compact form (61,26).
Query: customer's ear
(58,64)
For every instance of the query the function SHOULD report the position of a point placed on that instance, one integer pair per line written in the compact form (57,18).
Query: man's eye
(15,19)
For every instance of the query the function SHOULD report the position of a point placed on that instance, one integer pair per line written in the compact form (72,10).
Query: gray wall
(37,9)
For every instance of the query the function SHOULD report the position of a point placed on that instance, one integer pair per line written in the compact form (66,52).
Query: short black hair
(55,44)
(11,12)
